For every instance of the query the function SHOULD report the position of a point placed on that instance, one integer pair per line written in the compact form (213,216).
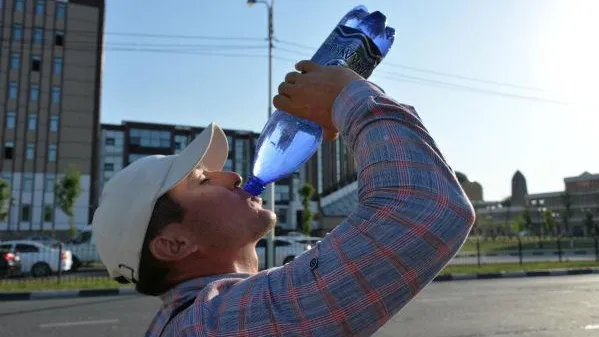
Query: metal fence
(521,250)
(26,266)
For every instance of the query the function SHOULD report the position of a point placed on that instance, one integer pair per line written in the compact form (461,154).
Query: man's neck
(242,262)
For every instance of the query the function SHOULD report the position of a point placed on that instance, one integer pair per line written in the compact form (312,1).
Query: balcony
(340,202)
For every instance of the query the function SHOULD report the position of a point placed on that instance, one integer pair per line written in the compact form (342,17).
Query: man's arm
(411,219)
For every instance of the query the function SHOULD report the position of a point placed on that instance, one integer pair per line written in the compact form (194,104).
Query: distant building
(519,189)
(473,189)
(581,193)
(50,82)
(122,144)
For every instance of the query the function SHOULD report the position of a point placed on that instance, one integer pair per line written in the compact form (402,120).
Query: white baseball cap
(127,201)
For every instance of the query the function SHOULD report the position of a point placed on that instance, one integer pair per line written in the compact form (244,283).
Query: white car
(306,240)
(83,248)
(38,259)
(286,250)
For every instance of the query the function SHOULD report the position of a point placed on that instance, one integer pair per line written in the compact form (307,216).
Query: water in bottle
(360,41)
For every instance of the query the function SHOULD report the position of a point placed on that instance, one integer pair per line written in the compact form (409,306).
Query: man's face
(218,213)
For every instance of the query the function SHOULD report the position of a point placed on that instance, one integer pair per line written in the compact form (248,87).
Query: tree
(66,192)
(307,191)
(5,199)
(527,219)
(589,223)
(567,212)
(507,204)
(549,222)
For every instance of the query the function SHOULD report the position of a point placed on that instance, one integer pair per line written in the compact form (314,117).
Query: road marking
(592,327)
(69,324)
(440,299)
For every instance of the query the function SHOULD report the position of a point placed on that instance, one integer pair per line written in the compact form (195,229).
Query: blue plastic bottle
(360,41)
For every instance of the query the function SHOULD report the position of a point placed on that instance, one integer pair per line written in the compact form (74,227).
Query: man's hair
(152,272)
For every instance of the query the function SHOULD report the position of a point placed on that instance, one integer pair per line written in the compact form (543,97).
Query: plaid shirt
(411,219)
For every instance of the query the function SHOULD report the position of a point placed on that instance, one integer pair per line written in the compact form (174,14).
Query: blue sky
(542,47)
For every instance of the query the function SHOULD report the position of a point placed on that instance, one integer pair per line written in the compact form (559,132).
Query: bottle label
(349,47)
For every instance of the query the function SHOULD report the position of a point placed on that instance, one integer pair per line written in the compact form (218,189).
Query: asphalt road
(530,307)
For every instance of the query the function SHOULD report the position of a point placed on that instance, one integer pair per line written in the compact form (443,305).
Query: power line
(455,86)
(424,70)
(392,75)
(152,35)
(450,85)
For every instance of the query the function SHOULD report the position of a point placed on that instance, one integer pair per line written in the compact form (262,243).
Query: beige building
(50,75)
(571,208)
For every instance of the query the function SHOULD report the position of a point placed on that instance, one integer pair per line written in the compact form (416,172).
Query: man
(180,228)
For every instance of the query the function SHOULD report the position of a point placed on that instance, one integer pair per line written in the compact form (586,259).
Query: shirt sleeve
(412,217)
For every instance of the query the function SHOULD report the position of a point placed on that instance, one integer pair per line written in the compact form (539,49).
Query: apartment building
(122,144)
(50,80)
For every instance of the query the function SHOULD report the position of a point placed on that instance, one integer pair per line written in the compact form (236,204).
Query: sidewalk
(56,294)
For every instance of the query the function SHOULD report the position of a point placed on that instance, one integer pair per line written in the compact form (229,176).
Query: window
(11,120)
(36,63)
(135,156)
(48,213)
(38,36)
(49,183)
(32,122)
(34,94)
(52,153)
(60,10)
(55,95)
(30,151)
(40,7)
(109,141)
(54,123)
(19,5)
(57,65)
(28,182)
(24,248)
(180,143)
(150,138)
(108,167)
(59,38)
(12,90)
(9,150)
(17,32)
(25,216)
(15,61)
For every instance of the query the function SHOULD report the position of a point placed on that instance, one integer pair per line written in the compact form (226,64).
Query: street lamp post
(269,258)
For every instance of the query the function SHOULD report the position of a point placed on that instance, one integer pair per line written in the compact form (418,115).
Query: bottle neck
(254,186)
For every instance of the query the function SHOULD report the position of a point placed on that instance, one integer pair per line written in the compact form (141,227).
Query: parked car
(45,240)
(306,240)
(83,248)
(38,259)
(10,264)
(286,250)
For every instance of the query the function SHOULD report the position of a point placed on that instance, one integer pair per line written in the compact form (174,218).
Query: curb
(517,274)
(55,294)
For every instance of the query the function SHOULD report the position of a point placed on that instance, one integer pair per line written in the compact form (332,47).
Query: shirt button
(313,263)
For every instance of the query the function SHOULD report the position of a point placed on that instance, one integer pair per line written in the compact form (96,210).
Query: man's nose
(229,179)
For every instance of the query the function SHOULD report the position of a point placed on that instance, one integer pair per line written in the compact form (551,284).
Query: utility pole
(270,252)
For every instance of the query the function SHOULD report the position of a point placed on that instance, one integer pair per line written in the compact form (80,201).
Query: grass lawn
(528,243)
(25,285)
(512,267)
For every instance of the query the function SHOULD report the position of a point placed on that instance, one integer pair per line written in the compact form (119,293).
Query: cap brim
(209,149)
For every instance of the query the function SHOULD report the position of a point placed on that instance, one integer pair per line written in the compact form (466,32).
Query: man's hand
(311,92)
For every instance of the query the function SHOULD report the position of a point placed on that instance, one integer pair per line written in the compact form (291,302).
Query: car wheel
(41,269)
(288,259)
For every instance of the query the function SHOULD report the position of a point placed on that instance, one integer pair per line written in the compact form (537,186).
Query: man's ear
(172,244)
